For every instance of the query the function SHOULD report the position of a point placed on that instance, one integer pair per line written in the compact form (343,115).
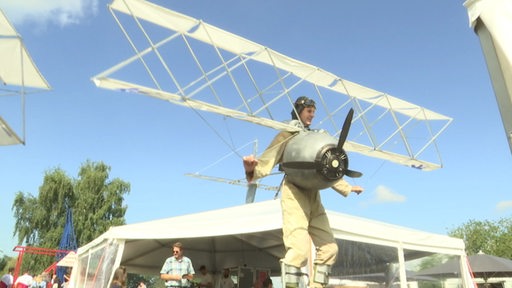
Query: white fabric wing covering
(7,135)
(6,29)
(241,46)
(252,78)
(17,67)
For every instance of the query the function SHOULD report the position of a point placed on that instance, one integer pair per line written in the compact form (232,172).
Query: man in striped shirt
(177,271)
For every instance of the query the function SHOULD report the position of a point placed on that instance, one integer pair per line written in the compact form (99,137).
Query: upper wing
(191,63)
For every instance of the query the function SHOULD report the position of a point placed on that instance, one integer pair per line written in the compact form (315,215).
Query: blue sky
(421,51)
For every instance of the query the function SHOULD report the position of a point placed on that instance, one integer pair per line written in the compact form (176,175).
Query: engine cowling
(311,160)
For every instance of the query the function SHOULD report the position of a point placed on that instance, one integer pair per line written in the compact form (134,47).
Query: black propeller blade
(352,173)
(345,129)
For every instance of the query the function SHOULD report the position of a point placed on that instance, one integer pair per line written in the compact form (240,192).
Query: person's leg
(295,209)
(323,239)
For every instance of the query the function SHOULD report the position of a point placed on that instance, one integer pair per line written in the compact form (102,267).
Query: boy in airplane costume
(304,216)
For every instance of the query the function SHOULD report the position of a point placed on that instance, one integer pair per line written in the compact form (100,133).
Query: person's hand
(250,163)
(187,276)
(357,189)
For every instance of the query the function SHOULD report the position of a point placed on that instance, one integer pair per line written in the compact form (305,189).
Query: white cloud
(504,205)
(384,195)
(44,12)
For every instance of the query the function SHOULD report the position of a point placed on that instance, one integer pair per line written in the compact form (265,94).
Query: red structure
(35,250)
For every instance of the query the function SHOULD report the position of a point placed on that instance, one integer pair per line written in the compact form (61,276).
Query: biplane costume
(304,216)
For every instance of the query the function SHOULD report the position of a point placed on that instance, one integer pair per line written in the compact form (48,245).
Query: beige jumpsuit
(303,213)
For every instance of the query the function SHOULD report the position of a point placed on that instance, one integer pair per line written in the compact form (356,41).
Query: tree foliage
(490,237)
(6,262)
(431,261)
(96,203)
(99,203)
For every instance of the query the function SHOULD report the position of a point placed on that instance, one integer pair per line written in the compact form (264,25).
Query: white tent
(68,261)
(492,22)
(250,236)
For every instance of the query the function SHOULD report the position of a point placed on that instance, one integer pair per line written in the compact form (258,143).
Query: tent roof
(68,260)
(242,219)
(251,235)
(482,266)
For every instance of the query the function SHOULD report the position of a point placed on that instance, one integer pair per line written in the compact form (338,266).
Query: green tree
(96,202)
(490,237)
(432,261)
(99,202)
(3,264)
(6,262)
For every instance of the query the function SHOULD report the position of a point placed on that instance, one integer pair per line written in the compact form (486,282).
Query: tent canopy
(251,235)
(68,260)
(482,266)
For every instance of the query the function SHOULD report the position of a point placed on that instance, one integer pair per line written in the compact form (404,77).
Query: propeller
(331,161)
(345,128)
(341,142)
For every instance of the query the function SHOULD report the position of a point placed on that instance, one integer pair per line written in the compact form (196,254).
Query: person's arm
(261,167)
(344,188)
(190,270)
(165,273)
(168,277)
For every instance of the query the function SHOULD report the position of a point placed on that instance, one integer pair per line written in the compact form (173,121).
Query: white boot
(291,275)
(321,274)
